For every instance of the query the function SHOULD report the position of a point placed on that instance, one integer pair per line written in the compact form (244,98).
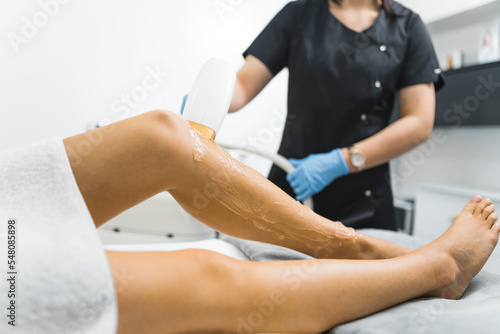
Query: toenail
(478,198)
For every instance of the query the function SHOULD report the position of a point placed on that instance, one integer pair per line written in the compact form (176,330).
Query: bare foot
(468,243)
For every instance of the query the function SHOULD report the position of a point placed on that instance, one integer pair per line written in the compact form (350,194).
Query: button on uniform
(364,117)
(378,84)
(383,48)
(368,193)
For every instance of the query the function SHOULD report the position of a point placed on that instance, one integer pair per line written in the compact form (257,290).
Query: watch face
(358,160)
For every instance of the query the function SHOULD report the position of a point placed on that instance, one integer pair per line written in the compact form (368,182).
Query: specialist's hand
(313,173)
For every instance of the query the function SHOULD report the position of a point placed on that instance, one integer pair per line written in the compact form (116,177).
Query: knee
(165,133)
(222,275)
(220,279)
(216,267)
(165,123)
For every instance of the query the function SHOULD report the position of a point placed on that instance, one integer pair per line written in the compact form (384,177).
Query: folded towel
(62,281)
(261,252)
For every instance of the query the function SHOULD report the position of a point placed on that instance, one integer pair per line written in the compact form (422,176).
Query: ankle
(363,248)
(372,248)
(337,248)
(445,272)
(358,248)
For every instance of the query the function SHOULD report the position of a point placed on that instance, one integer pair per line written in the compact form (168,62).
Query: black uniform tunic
(342,87)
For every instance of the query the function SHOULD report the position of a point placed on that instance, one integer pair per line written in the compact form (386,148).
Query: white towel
(63,282)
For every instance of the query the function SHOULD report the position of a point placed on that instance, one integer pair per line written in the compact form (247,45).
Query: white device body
(210,97)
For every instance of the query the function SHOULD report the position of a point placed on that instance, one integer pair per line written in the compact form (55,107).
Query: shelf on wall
(472,16)
(470,97)
(473,67)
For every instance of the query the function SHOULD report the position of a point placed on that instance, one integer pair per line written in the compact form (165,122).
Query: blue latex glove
(184,99)
(314,173)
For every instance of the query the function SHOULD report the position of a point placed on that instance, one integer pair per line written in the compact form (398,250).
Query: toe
(493,219)
(496,228)
(481,206)
(471,206)
(488,211)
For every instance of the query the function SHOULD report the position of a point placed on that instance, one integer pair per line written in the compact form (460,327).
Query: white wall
(89,53)
(432,10)
(464,39)
(466,156)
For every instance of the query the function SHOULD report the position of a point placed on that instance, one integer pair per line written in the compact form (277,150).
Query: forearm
(250,81)
(240,98)
(395,140)
(417,107)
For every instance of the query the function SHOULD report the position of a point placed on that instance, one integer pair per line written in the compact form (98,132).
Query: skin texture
(417,102)
(357,15)
(207,183)
(196,291)
(251,79)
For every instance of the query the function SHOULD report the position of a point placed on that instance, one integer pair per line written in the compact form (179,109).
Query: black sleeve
(273,44)
(420,64)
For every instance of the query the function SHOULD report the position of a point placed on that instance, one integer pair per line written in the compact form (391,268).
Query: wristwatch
(358,159)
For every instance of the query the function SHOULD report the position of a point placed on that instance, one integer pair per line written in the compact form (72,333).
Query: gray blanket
(477,312)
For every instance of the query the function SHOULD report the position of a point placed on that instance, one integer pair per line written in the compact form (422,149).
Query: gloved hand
(184,99)
(313,173)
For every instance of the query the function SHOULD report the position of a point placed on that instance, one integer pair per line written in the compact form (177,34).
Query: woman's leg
(196,291)
(121,165)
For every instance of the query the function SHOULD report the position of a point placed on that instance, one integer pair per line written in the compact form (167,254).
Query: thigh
(172,292)
(123,164)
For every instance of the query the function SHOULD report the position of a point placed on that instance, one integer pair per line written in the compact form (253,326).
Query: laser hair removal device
(210,97)
(208,103)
